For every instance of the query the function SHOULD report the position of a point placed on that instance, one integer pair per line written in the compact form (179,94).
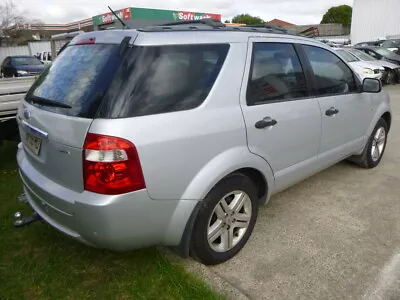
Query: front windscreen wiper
(48,102)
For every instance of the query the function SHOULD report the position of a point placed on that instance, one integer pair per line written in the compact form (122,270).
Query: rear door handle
(331,112)
(266,122)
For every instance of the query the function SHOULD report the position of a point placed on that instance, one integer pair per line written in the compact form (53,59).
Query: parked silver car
(392,71)
(362,68)
(175,135)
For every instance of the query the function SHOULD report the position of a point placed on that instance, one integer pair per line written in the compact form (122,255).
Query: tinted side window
(162,79)
(276,74)
(332,75)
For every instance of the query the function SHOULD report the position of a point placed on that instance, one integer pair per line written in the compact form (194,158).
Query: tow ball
(19,220)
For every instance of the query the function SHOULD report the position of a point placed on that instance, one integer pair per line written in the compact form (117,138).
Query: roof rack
(214,23)
(267,27)
(210,24)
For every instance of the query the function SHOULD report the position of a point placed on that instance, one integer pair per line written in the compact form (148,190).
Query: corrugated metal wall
(374,19)
(38,47)
(8,51)
(32,49)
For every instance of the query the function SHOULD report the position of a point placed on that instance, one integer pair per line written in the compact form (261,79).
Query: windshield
(361,55)
(384,52)
(25,61)
(78,78)
(391,44)
(348,57)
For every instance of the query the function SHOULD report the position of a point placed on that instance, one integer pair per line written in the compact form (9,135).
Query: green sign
(107,18)
(152,14)
(170,15)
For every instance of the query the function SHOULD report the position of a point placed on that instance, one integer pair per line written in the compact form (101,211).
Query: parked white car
(45,57)
(363,68)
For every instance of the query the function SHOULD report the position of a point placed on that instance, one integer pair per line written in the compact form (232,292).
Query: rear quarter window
(162,79)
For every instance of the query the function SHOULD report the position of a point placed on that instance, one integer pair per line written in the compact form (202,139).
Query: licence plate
(33,143)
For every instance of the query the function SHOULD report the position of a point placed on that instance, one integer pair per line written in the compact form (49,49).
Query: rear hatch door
(60,106)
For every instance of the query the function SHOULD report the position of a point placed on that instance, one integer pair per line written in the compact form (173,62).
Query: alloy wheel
(378,144)
(229,221)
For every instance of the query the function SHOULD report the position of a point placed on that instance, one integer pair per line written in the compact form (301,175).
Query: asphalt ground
(332,236)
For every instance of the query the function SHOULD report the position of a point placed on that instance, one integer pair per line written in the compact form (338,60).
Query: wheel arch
(388,119)
(251,165)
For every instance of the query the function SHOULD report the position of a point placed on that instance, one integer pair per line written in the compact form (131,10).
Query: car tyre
(225,220)
(375,147)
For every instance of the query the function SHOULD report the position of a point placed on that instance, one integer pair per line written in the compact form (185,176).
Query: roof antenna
(119,19)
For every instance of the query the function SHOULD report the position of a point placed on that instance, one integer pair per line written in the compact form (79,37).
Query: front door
(283,122)
(345,112)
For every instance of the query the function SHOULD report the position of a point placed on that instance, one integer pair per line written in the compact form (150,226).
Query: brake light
(86,41)
(111,165)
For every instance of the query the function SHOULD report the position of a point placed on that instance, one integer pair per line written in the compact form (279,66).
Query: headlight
(20,72)
(368,71)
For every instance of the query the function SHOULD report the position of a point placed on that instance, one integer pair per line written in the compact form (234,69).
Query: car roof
(191,32)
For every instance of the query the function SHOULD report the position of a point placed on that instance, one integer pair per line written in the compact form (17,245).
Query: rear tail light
(111,165)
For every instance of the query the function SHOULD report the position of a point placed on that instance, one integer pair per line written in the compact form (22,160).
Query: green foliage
(227,21)
(247,19)
(338,14)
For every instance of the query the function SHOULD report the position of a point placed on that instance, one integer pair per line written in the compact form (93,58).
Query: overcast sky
(293,11)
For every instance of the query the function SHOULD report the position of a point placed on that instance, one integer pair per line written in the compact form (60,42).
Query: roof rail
(214,23)
(268,27)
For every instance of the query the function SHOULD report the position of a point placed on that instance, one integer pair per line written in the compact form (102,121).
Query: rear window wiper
(48,102)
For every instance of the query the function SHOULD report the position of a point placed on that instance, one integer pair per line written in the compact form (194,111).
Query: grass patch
(37,262)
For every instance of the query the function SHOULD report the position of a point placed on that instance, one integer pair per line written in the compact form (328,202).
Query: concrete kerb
(212,279)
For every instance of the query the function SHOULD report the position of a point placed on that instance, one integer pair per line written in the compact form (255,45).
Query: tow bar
(23,221)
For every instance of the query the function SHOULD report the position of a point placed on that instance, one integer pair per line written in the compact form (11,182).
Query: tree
(338,14)
(227,21)
(247,19)
(9,17)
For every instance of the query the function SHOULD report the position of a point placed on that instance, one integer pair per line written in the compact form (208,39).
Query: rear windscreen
(161,79)
(96,81)
(78,78)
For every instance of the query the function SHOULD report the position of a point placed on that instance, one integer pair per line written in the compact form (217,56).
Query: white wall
(37,47)
(373,19)
(32,49)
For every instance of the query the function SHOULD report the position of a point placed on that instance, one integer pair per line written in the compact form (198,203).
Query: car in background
(44,57)
(362,68)
(392,70)
(381,54)
(20,66)
(371,43)
(392,45)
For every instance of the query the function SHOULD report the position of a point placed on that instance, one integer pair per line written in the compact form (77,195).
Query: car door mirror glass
(371,85)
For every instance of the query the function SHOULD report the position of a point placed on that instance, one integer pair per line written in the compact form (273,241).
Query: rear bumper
(121,222)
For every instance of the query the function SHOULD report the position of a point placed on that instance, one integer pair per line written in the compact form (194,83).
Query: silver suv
(176,134)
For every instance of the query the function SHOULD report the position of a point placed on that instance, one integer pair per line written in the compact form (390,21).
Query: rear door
(283,121)
(59,108)
(345,111)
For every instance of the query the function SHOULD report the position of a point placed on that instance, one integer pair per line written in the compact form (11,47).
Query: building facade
(373,20)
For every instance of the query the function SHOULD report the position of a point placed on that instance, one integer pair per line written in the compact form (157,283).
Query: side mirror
(371,85)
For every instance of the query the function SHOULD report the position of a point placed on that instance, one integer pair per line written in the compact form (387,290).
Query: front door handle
(266,122)
(331,112)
